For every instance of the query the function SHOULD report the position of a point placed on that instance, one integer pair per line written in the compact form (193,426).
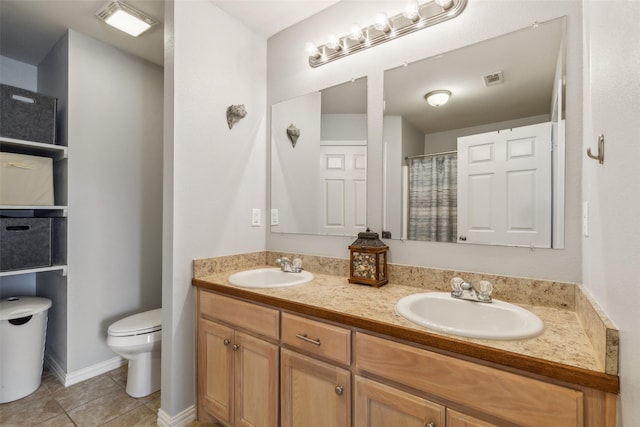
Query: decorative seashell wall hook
(235,113)
(293,133)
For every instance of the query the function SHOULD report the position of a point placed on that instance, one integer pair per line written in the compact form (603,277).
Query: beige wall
(611,252)
(213,175)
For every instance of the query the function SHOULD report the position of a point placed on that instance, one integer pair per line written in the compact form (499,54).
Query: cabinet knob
(430,425)
(235,347)
(226,341)
(339,390)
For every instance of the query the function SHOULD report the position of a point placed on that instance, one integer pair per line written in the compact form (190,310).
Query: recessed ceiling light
(125,18)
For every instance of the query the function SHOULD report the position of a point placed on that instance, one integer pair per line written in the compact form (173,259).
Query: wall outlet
(274,217)
(255,217)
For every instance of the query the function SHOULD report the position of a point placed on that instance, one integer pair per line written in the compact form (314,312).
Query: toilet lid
(138,324)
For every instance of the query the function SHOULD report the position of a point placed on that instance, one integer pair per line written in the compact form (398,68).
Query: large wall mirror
(319,162)
(487,166)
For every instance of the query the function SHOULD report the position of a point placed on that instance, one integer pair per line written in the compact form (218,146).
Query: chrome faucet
(288,266)
(462,289)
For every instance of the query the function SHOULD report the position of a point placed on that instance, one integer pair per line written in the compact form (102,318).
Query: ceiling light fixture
(125,18)
(415,17)
(437,98)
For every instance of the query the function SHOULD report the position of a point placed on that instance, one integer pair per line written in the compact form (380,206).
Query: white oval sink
(269,278)
(497,320)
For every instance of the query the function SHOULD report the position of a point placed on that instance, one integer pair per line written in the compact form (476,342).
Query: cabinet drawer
(317,338)
(521,400)
(251,317)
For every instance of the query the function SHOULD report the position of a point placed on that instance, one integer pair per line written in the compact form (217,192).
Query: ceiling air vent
(493,79)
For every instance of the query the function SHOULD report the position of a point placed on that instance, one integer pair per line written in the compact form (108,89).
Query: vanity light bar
(384,29)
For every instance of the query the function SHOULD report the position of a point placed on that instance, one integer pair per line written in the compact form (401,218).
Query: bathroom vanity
(332,353)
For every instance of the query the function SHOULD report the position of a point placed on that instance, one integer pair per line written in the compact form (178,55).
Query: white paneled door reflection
(504,187)
(344,189)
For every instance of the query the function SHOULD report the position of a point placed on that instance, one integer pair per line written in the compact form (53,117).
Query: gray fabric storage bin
(27,115)
(25,243)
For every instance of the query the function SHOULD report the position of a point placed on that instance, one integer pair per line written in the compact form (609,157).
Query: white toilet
(138,339)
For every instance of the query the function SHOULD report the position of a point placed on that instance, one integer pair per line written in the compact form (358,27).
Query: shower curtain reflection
(433,204)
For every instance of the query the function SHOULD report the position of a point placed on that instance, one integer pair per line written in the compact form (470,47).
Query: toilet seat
(137,324)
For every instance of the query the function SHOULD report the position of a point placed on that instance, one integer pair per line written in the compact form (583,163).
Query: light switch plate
(274,217)
(255,217)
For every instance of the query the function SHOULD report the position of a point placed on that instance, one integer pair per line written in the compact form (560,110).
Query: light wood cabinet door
(237,377)
(457,419)
(256,382)
(215,370)
(313,393)
(378,405)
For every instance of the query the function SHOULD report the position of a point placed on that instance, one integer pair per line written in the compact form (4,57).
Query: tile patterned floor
(100,401)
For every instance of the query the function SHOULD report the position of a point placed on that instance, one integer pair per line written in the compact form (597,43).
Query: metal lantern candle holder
(368,260)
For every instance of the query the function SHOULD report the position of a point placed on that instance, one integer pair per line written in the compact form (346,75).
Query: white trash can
(23,330)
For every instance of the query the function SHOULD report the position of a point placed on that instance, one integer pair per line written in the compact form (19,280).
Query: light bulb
(355,33)
(412,11)
(333,42)
(382,23)
(312,49)
(445,4)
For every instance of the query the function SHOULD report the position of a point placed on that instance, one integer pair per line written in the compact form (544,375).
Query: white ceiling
(30,28)
(527,59)
(268,17)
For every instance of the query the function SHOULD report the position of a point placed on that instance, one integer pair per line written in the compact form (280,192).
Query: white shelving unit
(57,153)
(61,268)
(61,211)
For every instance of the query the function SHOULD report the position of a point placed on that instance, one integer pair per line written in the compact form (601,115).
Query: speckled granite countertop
(562,352)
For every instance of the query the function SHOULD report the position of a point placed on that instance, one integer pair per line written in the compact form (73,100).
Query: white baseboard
(180,420)
(54,367)
(80,375)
